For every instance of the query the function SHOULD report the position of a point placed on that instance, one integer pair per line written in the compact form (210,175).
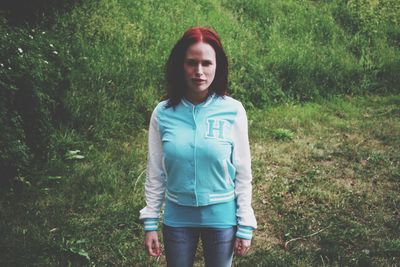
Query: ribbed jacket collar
(205,103)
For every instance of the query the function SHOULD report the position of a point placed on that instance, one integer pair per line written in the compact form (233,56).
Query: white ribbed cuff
(245,232)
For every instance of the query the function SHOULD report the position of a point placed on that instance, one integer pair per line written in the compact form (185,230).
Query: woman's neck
(197,98)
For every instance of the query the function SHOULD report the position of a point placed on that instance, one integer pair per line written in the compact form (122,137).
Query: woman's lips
(198,80)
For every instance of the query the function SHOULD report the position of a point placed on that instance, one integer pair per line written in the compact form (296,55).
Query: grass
(96,66)
(77,91)
(338,176)
(327,196)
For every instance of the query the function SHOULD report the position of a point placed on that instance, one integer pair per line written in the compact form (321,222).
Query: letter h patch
(215,128)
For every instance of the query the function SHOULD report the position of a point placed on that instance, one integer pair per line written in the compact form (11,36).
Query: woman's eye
(195,63)
(191,62)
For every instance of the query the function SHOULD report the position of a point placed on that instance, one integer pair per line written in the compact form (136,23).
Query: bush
(33,80)
(33,12)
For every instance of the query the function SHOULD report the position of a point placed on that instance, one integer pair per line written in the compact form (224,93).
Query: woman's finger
(241,246)
(152,244)
(236,247)
(156,248)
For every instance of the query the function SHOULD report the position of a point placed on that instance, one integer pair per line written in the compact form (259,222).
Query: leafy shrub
(21,12)
(32,84)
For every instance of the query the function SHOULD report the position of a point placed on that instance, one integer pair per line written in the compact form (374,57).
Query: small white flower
(9,68)
(55,52)
(20,50)
(1,65)
(30,36)
(43,32)
(45,61)
(51,45)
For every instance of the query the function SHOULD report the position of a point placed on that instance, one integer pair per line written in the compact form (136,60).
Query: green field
(320,82)
(336,175)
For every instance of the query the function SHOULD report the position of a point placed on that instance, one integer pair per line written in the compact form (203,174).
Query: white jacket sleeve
(155,176)
(242,161)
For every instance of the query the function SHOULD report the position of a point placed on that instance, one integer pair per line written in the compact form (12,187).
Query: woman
(199,159)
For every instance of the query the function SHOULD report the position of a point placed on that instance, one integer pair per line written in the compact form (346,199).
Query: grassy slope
(340,170)
(339,174)
(278,50)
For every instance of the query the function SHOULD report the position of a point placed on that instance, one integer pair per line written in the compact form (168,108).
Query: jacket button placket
(194,155)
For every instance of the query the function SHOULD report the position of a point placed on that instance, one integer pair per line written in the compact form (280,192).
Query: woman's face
(199,68)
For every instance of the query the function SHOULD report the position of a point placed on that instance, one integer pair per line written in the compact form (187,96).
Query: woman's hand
(152,244)
(241,246)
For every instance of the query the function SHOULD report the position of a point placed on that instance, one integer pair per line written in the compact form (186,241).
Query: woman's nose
(199,70)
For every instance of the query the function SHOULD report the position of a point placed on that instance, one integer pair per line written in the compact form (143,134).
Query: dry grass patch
(333,190)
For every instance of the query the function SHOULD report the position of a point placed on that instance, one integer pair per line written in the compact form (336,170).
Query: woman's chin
(199,90)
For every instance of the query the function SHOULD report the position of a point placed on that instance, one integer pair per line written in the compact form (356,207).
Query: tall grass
(279,51)
(113,54)
(95,94)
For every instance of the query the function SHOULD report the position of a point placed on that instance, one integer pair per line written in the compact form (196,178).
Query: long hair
(176,84)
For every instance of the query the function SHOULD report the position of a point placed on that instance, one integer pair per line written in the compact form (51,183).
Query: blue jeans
(181,243)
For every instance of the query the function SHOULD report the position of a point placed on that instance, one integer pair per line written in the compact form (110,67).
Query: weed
(282,134)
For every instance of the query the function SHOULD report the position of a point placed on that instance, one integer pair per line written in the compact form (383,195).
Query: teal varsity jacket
(199,155)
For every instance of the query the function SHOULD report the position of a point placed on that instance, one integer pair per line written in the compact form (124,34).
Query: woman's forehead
(201,50)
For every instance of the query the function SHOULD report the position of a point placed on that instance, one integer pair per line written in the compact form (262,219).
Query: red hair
(176,85)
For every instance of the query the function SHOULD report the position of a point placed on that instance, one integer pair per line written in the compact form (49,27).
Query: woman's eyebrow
(202,61)
(192,60)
